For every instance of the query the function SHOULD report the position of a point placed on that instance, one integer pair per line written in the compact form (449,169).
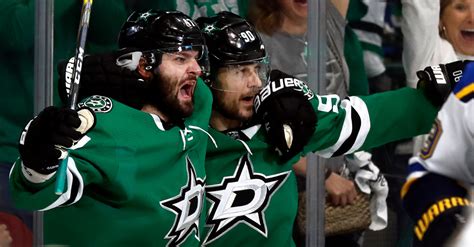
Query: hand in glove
(109,74)
(287,114)
(44,140)
(438,81)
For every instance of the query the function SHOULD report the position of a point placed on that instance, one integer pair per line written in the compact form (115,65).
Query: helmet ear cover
(151,60)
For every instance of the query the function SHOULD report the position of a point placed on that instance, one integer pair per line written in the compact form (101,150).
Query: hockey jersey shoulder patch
(432,141)
(97,103)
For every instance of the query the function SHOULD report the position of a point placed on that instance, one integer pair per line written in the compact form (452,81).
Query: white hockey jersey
(449,150)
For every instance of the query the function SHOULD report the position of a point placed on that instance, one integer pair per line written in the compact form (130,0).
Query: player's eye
(180,59)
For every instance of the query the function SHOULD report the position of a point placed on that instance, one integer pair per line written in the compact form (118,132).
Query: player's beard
(162,94)
(228,109)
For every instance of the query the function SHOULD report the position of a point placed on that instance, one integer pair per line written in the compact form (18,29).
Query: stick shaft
(78,58)
(76,78)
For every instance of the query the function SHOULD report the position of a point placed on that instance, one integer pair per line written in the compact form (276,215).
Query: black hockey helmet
(231,39)
(156,29)
(162,31)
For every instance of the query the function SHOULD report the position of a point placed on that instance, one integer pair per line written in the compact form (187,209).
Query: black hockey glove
(284,109)
(438,81)
(101,75)
(44,140)
(443,201)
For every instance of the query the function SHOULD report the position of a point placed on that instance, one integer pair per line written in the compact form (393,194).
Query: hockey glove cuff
(438,81)
(284,109)
(435,203)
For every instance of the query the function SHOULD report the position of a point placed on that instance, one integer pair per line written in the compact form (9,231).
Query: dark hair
(266,15)
(443,4)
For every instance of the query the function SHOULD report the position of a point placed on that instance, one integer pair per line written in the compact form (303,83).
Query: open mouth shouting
(468,34)
(186,90)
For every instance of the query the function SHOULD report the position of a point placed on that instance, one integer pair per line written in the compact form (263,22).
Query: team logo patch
(187,206)
(241,198)
(97,103)
(430,143)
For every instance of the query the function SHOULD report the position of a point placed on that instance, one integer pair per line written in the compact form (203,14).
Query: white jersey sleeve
(449,150)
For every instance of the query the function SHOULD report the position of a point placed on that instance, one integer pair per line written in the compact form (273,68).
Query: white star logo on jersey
(241,198)
(187,206)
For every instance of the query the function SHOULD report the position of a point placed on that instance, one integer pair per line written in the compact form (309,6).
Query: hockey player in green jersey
(251,189)
(137,177)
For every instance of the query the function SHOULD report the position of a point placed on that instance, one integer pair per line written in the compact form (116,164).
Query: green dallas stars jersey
(252,198)
(130,181)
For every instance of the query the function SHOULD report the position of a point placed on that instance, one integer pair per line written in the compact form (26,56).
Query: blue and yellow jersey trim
(431,197)
(464,90)
(415,171)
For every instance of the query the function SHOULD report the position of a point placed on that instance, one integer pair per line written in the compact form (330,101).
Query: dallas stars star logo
(241,198)
(144,15)
(97,103)
(187,206)
(209,28)
(304,88)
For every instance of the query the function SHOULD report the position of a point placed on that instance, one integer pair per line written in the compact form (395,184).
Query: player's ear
(143,70)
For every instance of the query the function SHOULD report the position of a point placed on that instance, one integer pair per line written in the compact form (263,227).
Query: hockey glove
(283,107)
(105,74)
(438,81)
(44,140)
(436,204)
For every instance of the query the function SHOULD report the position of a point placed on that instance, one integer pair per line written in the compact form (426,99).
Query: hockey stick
(76,77)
